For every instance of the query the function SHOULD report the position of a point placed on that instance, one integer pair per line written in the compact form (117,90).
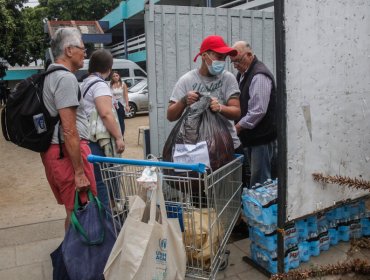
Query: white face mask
(216,67)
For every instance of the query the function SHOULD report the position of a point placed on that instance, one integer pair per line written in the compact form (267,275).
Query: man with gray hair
(66,166)
(256,128)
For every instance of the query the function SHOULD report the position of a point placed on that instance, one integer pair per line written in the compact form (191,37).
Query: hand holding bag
(148,250)
(88,241)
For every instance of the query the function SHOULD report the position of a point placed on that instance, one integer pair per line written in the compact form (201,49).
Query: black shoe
(241,230)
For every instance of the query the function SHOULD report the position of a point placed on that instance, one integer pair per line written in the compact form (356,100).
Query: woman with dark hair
(105,135)
(120,98)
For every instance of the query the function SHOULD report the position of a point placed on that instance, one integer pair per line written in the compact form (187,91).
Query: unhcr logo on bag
(161,255)
(163,244)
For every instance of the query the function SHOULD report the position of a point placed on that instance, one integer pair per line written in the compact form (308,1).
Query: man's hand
(215,105)
(82,183)
(190,98)
(120,146)
(238,128)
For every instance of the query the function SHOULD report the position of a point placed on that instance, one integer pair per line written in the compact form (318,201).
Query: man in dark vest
(256,128)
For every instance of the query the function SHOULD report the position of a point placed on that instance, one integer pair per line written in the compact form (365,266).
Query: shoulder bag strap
(90,85)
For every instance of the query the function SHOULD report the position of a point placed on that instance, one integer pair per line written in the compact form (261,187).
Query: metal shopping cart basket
(207,204)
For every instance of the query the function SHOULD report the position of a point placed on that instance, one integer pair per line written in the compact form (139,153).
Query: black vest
(265,131)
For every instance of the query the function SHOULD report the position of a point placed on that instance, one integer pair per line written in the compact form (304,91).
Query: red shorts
(60,174)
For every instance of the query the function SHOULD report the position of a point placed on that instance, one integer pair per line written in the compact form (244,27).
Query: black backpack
(25,120)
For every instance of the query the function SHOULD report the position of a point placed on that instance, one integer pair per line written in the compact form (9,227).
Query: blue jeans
(260,161)
(100,186)
(121,117)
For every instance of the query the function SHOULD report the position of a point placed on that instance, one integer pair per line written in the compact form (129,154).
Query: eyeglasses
(238,61)
(78,47)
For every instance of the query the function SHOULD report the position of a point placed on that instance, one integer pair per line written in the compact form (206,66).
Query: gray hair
(243,45)
(64,37)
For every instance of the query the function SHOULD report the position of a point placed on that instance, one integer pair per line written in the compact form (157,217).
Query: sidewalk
(29,259)
(32,225)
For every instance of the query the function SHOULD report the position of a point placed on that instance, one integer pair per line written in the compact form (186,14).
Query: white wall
(327,69)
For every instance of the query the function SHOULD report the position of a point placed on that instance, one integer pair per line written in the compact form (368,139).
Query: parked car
(132,81)
(138,98)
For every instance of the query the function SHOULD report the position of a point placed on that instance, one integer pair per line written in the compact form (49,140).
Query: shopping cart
(207,204)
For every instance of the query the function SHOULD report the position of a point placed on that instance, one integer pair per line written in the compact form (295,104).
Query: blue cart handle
(198,167)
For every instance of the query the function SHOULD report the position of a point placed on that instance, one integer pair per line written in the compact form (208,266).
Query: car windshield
(139,86)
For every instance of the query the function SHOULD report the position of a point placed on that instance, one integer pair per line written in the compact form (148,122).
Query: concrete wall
(328,85)
(173,37)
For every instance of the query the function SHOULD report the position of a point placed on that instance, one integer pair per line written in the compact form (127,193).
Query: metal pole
(125,38)
(281,126)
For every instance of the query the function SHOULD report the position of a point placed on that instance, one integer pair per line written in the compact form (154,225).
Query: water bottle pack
(268,241)
(333,236)
(343,231)
(322,223)
(355,229)
(304,238)
(324,241)
(265,258)
(314,246)
(292,257)
(304,251)
(302,230)
(312,227)
(290,236)
(268,260)
(260,203)
(365,224)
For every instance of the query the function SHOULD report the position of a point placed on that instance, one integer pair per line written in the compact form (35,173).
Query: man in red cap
(222,86)
(213,79)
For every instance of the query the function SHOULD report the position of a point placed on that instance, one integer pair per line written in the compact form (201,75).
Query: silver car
(138,98)
(131,81)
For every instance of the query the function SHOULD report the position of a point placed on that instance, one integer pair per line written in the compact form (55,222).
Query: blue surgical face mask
(216,67)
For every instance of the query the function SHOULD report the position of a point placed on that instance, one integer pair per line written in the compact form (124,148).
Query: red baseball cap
(217,44)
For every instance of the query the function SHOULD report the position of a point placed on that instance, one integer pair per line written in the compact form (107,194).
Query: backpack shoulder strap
(47,72)
(90,85)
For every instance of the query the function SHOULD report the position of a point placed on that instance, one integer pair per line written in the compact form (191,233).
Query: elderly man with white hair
(66,166)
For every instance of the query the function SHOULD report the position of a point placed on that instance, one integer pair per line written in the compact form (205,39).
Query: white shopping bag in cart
(148,250)
(189,153)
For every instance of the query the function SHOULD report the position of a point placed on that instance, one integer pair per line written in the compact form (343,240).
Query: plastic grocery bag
(200,135)
(148,248)
(88,241)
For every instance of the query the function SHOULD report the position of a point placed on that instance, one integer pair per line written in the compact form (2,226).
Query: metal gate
(173,38)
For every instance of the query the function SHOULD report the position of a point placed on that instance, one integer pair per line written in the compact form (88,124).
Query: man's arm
(72,144)
(176,108)
(230,111)
(259,92)
(125,95)
(104,107)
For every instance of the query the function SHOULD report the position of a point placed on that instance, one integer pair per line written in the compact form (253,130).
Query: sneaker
(241,230)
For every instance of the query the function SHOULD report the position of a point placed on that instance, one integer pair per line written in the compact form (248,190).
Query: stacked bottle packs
(264,248)
(304,238)
(260,207)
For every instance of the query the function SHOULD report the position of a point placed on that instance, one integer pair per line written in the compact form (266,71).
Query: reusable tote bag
(148,250)
(88,241)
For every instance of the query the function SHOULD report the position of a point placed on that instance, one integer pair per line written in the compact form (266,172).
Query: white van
(126,68)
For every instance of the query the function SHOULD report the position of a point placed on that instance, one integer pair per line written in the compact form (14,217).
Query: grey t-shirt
(61,91)
(223,86)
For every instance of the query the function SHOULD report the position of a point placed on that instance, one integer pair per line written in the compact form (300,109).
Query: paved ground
(31,223)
